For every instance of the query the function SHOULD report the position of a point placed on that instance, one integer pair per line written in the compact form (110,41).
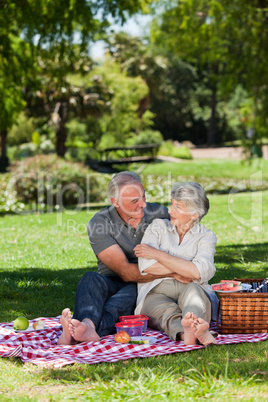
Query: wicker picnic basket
(242,312)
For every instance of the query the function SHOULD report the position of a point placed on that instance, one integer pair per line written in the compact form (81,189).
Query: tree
(15,70)
(227,39)
(171,85)
(124,119)
(39,24)
(61,95)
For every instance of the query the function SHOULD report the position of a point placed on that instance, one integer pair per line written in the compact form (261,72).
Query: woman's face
(180,215)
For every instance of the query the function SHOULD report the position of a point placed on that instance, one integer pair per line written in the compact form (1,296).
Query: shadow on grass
(37,292)
(241,261)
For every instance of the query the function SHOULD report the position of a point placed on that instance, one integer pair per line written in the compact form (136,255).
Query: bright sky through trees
(134,26)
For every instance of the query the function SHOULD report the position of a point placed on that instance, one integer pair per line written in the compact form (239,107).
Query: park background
(193,80)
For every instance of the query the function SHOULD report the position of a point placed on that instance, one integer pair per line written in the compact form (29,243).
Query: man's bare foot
(65,320)
(201,330)
(189,337)
(83,331)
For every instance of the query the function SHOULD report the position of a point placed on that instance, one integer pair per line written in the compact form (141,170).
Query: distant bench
(136,153)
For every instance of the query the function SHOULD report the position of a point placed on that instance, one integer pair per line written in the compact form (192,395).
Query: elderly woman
(181,306)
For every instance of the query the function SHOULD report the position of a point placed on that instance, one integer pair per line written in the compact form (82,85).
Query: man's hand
(182,279)
(114,258)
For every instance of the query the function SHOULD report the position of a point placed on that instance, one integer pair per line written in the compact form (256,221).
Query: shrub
(8,196)
(181,153)
(39,145)
(26,149)
(22,131)
(50,180)
(46,146)
(146,137)
(82,153)
(168,149)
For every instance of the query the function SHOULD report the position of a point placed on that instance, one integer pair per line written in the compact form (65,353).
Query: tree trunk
(61,137)
(143,105)
(61,134)
(4,161)
(212,123)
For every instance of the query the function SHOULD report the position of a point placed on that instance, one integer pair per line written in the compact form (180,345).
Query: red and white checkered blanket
(40,347)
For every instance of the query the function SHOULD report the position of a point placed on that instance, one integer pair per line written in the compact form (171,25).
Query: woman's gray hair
(119,181)
(193,196)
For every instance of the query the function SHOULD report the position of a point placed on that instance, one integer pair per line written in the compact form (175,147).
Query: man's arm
(114,258)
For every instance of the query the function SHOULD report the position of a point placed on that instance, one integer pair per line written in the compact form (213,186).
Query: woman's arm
(166,262)
(159,269)
(200,267)
(150,265)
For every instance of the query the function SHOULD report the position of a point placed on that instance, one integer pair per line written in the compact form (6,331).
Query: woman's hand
(145,251)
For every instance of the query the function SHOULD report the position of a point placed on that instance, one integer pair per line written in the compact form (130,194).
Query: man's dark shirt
(106,229)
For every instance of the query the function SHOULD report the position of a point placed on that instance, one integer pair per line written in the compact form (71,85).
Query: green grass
(42,258)
(198,168)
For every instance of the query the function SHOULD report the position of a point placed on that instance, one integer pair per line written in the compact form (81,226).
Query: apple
(21,323)
(122,337)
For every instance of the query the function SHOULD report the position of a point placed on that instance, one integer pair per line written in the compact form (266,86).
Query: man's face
(131,201)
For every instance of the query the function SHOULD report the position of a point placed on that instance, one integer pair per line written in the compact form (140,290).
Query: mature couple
(170,257)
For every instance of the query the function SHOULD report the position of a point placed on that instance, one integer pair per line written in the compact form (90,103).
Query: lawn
(212,168)
(42,257)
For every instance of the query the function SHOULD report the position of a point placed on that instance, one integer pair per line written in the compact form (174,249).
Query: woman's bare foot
(201,330)
(189,337)
(83,331)
(65,320)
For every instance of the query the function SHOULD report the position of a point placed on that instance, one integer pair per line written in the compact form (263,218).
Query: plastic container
(132,327)
(141,317)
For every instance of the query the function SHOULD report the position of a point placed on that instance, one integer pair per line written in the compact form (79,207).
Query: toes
(194,327)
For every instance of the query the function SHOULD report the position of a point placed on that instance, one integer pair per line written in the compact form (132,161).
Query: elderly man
(113,233)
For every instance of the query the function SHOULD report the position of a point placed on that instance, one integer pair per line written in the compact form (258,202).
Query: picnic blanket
(40,347)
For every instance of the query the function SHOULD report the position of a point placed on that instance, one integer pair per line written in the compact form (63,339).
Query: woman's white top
(197,246)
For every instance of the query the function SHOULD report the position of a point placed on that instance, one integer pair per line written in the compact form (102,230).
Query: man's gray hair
(193,196)
(119,181)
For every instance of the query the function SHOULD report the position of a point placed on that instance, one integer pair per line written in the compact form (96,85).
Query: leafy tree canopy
(27,27)
(228,39)
(127,94)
